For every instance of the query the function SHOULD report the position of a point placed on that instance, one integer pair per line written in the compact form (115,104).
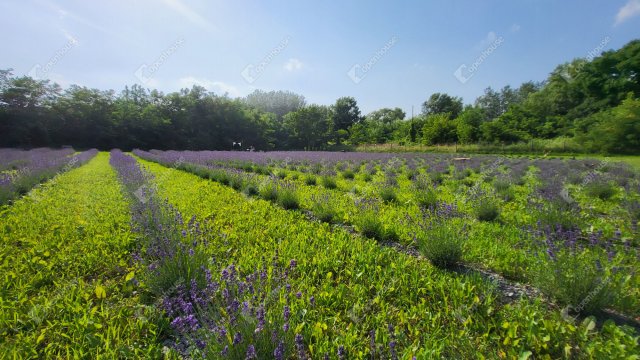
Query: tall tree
(345,113)
(309,126)
(440,103)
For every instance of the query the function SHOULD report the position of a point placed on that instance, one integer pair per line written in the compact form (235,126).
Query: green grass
(64,263)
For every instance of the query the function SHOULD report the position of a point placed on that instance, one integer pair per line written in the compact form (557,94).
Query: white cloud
(189,14)
(217,87)
(629,10)
(293,64)
(515,28)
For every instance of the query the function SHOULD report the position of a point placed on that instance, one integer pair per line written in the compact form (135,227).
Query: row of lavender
(600,179)
(558,237)
(554,172)
(214,311)
(21,170)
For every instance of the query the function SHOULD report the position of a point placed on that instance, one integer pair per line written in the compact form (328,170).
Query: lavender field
(297,255)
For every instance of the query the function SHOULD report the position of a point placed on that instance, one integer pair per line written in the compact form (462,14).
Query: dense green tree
(468,124)
(309,127)
(439,129)
(440,103)
(386,115)
(344,114)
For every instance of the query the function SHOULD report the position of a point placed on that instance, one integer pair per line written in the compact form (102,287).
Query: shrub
(575,279)
(236,182)
(370,225)
(324,210)
(269,191)
(367,177)
(427,198)
(281,174)
(329,182)
(387,194)
(501,184)
(559,213)
(288,198)
(348,174)
(601,190)
(487,210)
(442,245)
(251,190)
(310,180)
(411,174)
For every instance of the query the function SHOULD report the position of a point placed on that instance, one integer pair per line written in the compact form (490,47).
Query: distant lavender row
(14,159)
(28,168)
(553,172)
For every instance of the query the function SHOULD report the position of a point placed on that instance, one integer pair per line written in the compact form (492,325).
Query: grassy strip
(359,287)
(64,265)
(14,185)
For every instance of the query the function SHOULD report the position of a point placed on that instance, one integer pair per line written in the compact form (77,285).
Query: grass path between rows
(67,287)
(360,286)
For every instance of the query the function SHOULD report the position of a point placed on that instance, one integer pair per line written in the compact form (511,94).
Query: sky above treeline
(383,53)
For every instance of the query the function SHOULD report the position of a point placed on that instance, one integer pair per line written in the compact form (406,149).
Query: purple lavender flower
(392,346)
(285,327)
(300,346)
(293,263)
(278,353)
(237,338)
(251,353)
(341,352)
(286,313)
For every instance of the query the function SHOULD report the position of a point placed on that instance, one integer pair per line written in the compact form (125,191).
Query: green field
(170,254)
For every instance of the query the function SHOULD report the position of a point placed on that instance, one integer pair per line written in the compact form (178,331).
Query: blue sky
(383,53)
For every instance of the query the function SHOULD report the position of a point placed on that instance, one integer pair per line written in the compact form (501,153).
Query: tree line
(593,102)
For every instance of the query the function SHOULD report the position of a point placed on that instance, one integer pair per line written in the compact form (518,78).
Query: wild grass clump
(288,197)
(329,182)
(442,245)
(388,194)
(411,174)
(370,225)
(600,190)
(368,222)
(281,174)
(348,174)
(501,184)
(427,198)
(268,191)
(236,182)
(250,189)
(324,210)
(487,210)
(559,213)
(310,180)
(576,277)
